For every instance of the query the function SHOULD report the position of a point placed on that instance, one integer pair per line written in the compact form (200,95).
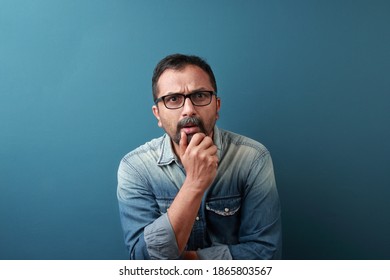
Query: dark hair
(178,62)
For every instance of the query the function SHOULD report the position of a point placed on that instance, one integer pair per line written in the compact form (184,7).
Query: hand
(199,159)
(190,255)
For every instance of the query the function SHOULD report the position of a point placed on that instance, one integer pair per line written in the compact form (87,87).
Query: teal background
(309,79)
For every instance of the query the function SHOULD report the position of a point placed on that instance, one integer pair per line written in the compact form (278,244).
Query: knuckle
(194,153)
(200,135)
(202,156)
(208,139)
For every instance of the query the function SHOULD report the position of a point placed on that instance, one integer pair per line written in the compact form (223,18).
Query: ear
(156,113)
(218,106)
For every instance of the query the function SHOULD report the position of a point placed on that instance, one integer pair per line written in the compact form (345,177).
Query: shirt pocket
(223,219)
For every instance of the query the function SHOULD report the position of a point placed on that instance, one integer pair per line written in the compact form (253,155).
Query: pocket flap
(225,207)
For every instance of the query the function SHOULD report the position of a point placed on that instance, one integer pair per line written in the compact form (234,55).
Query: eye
(173,98)
(200,95)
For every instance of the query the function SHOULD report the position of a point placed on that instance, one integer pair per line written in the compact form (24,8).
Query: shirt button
(226,209)
(197,218)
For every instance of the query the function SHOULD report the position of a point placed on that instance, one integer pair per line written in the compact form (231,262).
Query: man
(198,192)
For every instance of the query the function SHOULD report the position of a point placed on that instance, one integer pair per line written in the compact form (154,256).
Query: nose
(188,108)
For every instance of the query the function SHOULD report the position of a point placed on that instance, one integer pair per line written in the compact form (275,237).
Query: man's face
(173,121)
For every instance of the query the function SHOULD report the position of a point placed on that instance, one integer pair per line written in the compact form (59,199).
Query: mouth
(190,128)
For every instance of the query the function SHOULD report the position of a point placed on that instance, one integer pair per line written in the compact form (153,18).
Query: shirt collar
(167,155)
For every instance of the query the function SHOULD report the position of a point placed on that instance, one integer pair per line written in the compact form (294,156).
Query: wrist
(195,187)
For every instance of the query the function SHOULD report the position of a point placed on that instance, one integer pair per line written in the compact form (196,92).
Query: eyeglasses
(177,100)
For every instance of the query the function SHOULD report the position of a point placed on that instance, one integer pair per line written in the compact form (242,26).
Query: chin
(189,137)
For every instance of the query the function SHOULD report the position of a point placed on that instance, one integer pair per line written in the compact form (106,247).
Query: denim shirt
(239,217)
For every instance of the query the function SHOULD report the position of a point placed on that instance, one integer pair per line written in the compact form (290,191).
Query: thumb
(183,143)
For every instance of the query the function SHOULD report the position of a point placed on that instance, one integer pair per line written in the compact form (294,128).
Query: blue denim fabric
(239,217)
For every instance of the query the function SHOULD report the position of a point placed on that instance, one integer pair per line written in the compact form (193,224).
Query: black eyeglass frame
(162,98)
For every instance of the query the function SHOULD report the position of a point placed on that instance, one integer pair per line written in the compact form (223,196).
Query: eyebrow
(193,91)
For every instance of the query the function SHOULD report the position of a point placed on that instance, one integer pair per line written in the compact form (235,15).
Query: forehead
(188,79)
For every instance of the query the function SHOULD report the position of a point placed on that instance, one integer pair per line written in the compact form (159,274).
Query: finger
(197,138)
(212,150)
(183,143)
(206,142)
(214,161)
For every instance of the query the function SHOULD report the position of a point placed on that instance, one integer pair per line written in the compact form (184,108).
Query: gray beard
(181,124)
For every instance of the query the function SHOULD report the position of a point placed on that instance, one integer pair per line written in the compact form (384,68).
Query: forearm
(183,211)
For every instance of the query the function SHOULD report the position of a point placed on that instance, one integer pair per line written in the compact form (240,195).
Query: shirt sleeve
(218,252)
(160,239)
(147,232)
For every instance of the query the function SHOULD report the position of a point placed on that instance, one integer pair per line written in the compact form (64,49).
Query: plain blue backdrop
(309,79)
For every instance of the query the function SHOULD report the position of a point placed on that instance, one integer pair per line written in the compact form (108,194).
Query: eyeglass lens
(197,98)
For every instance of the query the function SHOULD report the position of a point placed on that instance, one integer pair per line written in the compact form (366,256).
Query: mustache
(185,122)
(190,120)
